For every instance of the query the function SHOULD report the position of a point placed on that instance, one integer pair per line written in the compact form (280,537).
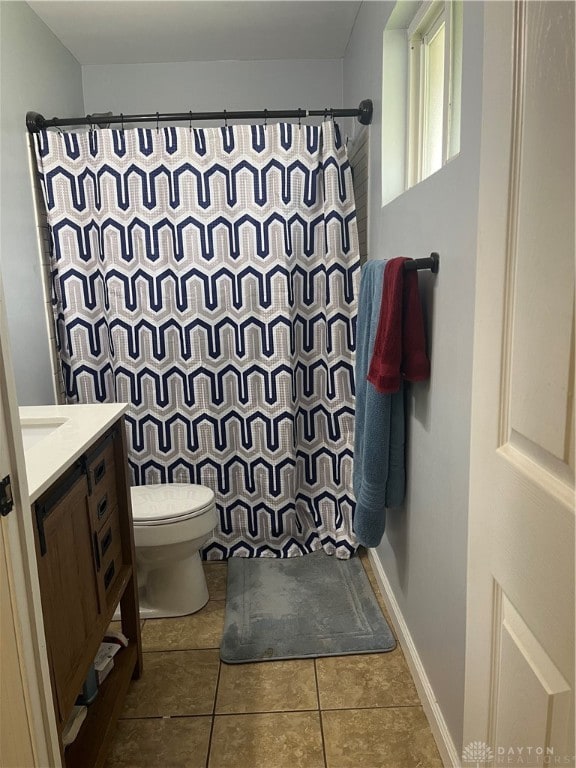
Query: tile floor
(191,711)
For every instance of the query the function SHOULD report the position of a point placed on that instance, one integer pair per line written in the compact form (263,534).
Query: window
(421,84)
(434,41)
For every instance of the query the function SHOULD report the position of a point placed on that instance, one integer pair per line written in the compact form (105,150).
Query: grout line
(213,715)
(266,712)
(320,715)
(162,717)
(179,650)
(272,712)
(382,706)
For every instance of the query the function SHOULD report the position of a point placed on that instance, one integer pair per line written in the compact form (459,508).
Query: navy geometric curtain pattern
(209,278)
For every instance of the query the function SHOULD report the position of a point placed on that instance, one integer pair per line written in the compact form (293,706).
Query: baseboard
(444,742)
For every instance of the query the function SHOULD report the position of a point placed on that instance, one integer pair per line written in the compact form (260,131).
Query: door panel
(520,641)
(541,293)
(532,706)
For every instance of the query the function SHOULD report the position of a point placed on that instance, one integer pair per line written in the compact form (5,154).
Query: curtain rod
(36,122)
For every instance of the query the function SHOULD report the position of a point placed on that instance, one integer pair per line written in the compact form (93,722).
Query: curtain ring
(225,119)
(265,118)
(157,122)
(332,115)
(190,121)
(299,118)
(325,113)
(122,121)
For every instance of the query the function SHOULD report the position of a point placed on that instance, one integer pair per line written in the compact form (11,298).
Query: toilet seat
(163,504)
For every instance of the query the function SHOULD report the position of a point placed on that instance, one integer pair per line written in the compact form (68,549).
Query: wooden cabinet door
(68,585)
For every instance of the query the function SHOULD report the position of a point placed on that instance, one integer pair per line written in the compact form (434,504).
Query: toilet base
(150,612)
(177,589)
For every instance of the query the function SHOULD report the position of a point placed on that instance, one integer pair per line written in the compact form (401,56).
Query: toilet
(172,522)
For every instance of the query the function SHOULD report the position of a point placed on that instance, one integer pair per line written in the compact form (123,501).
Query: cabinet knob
(96,550)
(102,506)
(99,471)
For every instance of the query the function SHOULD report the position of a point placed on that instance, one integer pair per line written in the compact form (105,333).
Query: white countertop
(56,435)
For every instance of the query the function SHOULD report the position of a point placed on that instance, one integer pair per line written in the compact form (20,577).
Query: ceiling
(152,31)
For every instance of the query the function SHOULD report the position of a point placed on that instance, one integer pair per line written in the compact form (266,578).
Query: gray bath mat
(300,607)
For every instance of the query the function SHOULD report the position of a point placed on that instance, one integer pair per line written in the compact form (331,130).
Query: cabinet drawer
(109,560)
(102,478)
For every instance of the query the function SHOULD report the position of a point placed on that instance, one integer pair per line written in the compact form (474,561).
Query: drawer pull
(102,506)
(99,471)
(96,550)
(109,575)
(106,541)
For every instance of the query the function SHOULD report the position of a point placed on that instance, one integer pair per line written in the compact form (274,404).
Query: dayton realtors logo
(478,753)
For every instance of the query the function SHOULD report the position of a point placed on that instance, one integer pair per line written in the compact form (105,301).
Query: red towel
(400,346)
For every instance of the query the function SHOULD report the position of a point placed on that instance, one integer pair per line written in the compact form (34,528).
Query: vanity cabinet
(86,565)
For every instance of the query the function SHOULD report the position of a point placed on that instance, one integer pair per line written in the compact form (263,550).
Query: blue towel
(379,478)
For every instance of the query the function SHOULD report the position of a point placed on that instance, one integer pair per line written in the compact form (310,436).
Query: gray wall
(424,548)
(37,73)
(207,86)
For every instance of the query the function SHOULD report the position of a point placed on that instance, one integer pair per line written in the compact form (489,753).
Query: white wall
(210,86)
(36,73)
(423,552)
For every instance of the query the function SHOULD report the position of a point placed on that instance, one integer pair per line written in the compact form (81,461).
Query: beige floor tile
(270,686)
(199,630)
(117,625)
(280,740)
(216,578)
(174,683)
(363,553)
(369,680)
(173,743)
(379,738)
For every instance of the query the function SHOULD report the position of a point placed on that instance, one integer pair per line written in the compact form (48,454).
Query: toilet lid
(166,502)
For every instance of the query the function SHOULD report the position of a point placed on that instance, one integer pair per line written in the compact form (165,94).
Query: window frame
(425,24)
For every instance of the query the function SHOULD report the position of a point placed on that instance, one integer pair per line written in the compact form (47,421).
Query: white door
(15,733)
(16,741)
(28,735)
(519,704)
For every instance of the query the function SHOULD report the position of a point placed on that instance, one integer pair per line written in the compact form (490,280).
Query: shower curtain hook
(332,114)
(157,122)
(190,126)
(265,118)
(299,118)
(225,120)
(122,121)
(325,113)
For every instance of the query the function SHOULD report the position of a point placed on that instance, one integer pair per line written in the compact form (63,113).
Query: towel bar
(432,263)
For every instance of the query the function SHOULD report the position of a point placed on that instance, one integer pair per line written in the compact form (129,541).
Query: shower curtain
(208,277)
